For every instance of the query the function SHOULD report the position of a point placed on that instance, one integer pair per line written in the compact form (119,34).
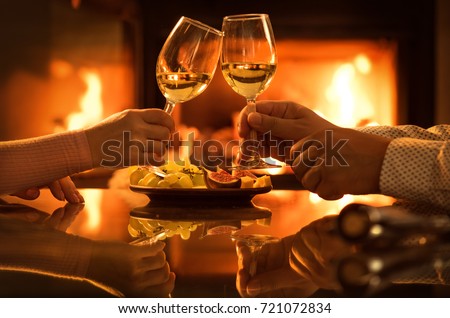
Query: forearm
(39,161)
(32,247)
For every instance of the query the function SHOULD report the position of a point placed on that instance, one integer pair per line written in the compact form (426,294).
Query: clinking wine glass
(187,61)
(249,62)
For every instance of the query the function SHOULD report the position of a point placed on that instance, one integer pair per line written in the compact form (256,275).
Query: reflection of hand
(148,133)
(62,189)
(63,217)
(60,219)
(135,271)
(315,250)
(274,276)
(341,161)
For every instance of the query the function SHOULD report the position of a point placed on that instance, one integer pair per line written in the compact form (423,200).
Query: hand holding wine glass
(187,61)
(249,63)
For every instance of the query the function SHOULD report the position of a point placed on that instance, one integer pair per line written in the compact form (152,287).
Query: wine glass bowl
(254,242)
(187,61)
(249,63)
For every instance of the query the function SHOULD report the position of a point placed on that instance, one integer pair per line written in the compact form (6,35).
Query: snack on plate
(179,175)
(138,227)
(186,175)
(243,179)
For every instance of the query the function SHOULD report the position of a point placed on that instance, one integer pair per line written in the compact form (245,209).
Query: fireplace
(402,35)
(66,64)
(58,47)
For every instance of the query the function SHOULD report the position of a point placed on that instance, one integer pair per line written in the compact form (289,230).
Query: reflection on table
(204,261)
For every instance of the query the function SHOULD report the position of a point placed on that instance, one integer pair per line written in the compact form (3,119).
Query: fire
(348,94)
(91,112)
(90,103)
(93,199)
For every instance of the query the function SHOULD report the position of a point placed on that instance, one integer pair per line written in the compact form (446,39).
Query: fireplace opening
(66,66)
(349,82)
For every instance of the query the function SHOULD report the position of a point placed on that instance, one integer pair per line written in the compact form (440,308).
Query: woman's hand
(135,271)
(62,189)
(339,161)
(131,137)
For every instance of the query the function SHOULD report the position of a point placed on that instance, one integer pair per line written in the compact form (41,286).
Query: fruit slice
(221,179)
(244,173)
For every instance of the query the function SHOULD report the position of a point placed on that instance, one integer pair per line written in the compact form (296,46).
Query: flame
(90,103)
(93,201)
(91,113)
(349,95)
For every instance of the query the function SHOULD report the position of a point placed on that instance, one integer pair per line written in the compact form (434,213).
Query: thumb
(279,127)
(154,248)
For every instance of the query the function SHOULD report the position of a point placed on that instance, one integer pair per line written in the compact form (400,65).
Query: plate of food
(186,188)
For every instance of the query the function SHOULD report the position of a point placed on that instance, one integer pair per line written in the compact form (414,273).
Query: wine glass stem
(168,108)
(251,108)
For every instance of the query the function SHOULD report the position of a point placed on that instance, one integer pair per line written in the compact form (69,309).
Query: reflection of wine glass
(255,242)
(249,62)
(187,61)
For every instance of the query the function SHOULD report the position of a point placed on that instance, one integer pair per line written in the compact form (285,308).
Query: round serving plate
(201,203)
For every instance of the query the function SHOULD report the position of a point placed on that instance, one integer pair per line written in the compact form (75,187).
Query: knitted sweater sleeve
(32,247)
(39,161)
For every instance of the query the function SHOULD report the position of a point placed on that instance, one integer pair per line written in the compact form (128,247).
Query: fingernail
(80,197)
(75,198)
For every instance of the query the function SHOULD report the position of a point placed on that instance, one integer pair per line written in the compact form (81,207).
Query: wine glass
(187,61)
(254,242)
(249,62)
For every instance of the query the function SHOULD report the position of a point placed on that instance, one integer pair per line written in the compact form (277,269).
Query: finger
(70,191)
(271,282)
(161,290)
(242,278)
(312,178)
(56,190)
(70,211)
(54,219)
(157,133)
(156,276)
(158,117)
(28,194)
(156,147)
(151,250)
(149,159)
(310,148)
(279,127)
(242,123)
(244,255)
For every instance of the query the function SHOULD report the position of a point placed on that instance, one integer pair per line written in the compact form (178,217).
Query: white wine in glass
(249,62)
(187,61)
